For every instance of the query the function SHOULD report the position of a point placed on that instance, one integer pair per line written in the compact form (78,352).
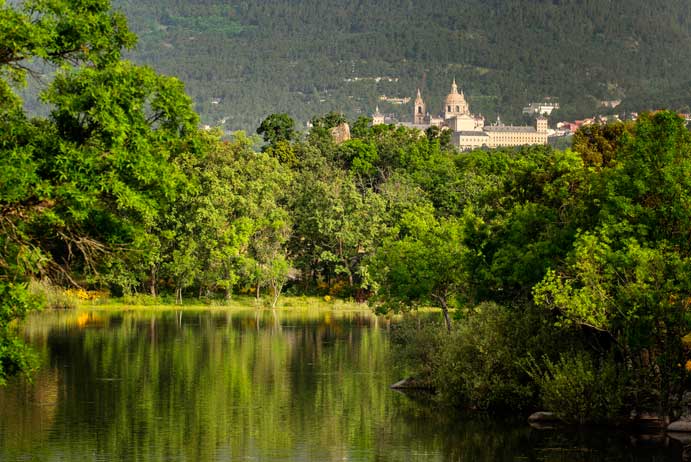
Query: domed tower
(420,110)
(455,104)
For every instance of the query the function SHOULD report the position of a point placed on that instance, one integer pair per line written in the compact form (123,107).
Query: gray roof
(467,133)
(509,128)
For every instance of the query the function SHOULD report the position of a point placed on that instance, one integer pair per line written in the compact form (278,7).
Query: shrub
(478,365)
(53,296)
(481,364)
(417,340)
(579,389)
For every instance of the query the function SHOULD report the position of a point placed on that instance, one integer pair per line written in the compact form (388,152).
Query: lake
(253,385)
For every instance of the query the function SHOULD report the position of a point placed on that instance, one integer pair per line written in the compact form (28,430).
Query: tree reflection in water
(262,385)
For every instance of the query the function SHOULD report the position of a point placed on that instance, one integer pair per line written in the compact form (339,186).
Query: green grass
(286,303)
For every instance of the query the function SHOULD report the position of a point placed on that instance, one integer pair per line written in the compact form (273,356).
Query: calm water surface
(251,386)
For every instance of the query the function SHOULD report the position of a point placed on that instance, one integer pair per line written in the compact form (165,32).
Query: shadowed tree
(276,128)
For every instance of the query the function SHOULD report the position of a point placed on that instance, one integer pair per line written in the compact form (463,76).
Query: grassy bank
(287,303)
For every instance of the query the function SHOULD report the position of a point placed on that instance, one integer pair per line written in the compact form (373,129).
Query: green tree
(276,128)
(328,121)
(628,276)
(57,32)
(443,135)
(359,157)
(598,144)
(362,127)
(321,126)
(336,225)
(421,268)
(230,223)
(83,185)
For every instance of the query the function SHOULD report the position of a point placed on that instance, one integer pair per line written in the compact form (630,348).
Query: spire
(454,87)
(419,110)
(418,99)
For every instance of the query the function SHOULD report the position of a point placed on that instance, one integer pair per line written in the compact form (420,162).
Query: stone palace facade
(470,131)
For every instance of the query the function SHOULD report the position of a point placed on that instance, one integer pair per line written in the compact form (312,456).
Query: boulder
(543,416)
(340,133)
(648,421)
(683,426)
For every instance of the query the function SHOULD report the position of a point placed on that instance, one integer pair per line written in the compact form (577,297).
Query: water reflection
(254,385)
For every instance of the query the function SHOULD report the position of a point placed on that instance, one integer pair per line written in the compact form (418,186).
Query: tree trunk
(178,295)
(276,294)
(258,291)
(276,288)
(445,311)
(152,283)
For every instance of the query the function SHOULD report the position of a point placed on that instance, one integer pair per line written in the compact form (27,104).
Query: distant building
(469,131)
(610,104)
(576,124)
(378,118)
(394,99)
(544,108)
(499,135)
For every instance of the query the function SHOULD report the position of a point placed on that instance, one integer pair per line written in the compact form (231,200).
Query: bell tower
(420,110)
(541,124)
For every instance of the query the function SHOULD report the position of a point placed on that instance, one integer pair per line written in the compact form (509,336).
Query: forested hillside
(242,60)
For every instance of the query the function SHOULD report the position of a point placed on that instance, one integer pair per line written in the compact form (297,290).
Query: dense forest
(562,277)
(242,61)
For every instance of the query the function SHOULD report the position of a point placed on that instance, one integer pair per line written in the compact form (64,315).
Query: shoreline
(244,303)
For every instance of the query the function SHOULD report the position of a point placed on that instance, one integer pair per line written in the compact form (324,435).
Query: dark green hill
(242,60)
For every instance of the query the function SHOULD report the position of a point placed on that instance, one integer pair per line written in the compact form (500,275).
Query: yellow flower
(687,366)
(327,298)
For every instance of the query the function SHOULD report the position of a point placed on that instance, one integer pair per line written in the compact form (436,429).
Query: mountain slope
(242,60)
